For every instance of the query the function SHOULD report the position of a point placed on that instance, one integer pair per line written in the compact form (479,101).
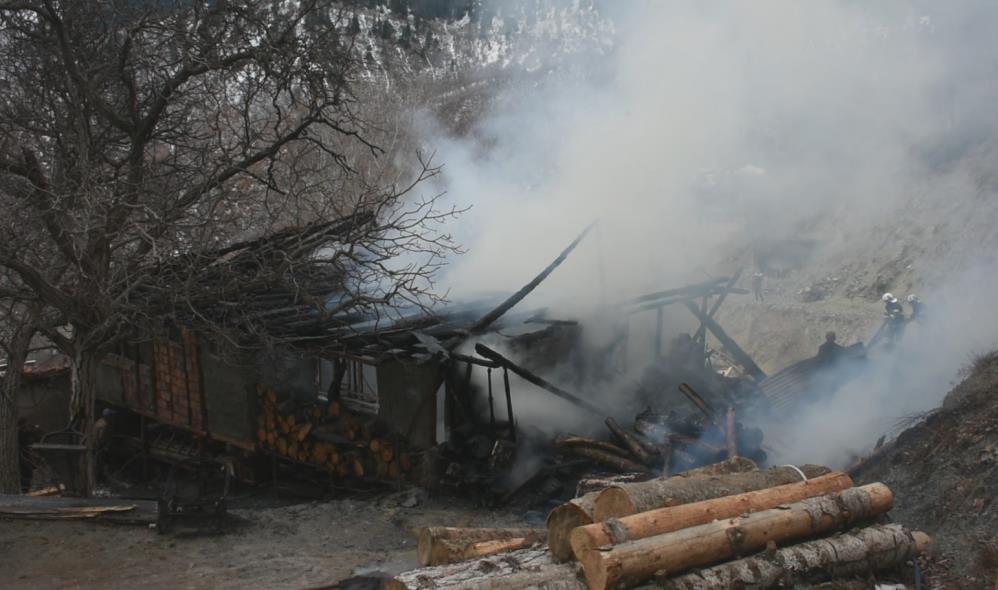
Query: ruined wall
(407,399)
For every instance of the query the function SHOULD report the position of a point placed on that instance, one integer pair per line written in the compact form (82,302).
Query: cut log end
(561,522)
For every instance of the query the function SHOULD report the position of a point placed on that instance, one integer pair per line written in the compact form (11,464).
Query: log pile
(325,435)
(728,525)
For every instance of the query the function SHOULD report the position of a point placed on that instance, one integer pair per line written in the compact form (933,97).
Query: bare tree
(176,162)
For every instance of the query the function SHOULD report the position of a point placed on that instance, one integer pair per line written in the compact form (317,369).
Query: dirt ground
(944,473)
(279,547)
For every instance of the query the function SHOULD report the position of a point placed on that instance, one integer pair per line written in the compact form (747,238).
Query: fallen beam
(673,518)
(443,545)
(487,320)
(630,563)
(740,356)
(525,568)
(626,499)
(492,355)
(62,508)
(850,555)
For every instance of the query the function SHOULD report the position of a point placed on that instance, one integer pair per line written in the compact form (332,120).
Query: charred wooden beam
(487,320)
(700,403)
(490,354)
(740,356)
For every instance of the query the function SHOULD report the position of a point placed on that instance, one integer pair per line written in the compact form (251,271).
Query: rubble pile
(725,525)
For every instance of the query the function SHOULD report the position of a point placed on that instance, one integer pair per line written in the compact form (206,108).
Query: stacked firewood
(729,525)
(326,435)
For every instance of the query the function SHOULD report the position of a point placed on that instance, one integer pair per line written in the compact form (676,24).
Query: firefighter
(830,351)
(917,307)
(894,316)
(757,286)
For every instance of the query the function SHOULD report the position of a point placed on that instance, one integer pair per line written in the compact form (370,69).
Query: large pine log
(441,545)
(579,511)
(523,569)
(598,483)
(633,562)
(626,499)
(673,518)
(858,553)
(631,442)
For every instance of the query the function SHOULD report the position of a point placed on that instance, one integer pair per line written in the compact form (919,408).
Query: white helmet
(912,298)
(889,297)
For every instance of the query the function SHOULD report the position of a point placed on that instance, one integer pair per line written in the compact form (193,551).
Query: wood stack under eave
(325,435)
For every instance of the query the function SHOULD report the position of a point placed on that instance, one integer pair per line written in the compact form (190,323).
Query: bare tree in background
(143,147)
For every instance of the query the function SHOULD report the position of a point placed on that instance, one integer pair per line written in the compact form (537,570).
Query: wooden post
(509,405)
(731,435)
(659,319)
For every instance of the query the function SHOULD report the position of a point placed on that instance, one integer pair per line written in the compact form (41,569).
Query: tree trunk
(442,545)
(631,498)
(579,512)
(83,410)
(10,460)
(636,561)
(16,346)
(665,520)
(858,553)
(527,569)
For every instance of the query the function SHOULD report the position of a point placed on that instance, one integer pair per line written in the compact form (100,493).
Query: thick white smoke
(711,125)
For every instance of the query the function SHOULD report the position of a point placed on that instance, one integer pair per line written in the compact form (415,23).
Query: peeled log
(528,569)
(674,518)
(579,511)
(853,554)
(440,545)
(629,563)
(631,498)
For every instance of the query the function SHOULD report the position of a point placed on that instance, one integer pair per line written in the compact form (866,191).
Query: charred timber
(740,356)
(632,443)
(490,354)
(525,568)
(487,320)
